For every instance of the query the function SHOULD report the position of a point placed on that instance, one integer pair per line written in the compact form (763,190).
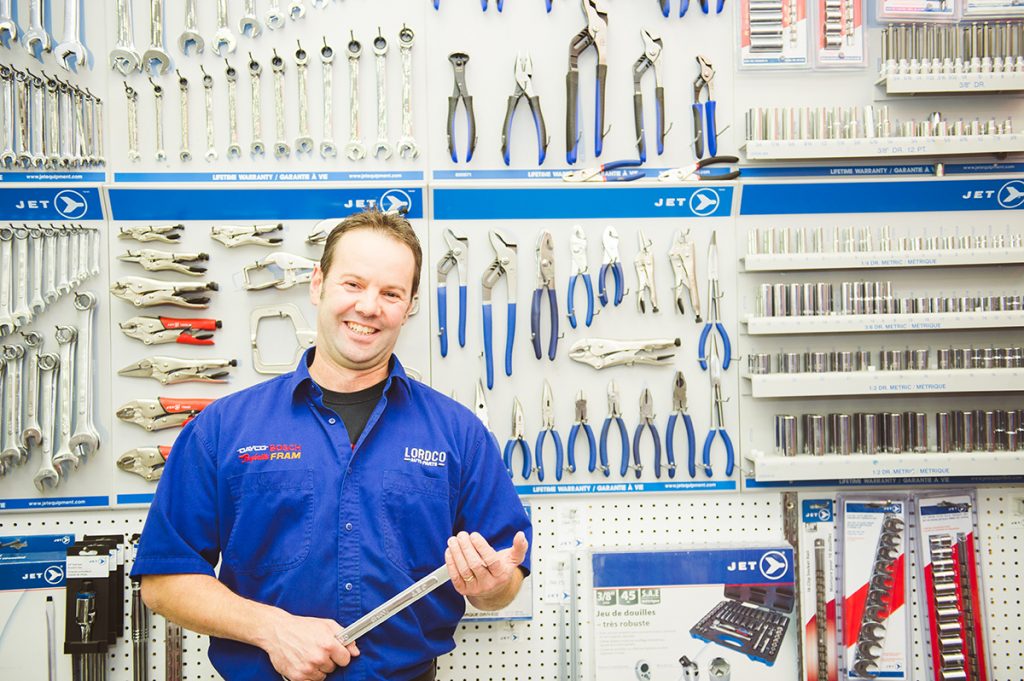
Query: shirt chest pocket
(273,524)
(417,520)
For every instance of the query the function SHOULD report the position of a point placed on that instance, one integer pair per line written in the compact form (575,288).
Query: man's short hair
(393,225)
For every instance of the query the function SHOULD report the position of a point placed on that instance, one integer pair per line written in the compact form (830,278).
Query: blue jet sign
(47,204)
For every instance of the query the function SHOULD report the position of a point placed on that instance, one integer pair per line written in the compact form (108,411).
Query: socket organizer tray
(753,620)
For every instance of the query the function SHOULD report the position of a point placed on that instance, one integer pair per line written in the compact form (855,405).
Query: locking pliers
(147,462)
(156,330)
(683,257)
(601,353)
(166,261)
(168,234)
(142,292)
(644,263)
(241,235)
(163,412)
(179,370)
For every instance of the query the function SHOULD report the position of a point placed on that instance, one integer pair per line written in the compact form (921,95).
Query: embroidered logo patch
(276,452)
(425,457)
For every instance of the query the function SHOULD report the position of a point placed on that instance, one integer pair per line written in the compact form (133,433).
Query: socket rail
(805,467)
(833,383)
(865,323)
(881,259)
(874,147)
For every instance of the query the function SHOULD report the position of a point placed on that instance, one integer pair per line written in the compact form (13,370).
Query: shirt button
(348,586)
(332,420)
(348,527)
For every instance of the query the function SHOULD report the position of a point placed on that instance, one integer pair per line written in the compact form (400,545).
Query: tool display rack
(199,194)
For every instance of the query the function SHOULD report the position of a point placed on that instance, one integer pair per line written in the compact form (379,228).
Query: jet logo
(54,575)
(70,204)
(395,201)
(1011,194)
(773,565)
(704,202)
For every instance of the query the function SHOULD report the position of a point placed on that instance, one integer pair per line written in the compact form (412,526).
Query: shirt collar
(300,380)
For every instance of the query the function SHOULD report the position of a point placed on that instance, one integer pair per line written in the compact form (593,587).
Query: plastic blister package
(817,582)
(773,34)
(918,10)
(839,34)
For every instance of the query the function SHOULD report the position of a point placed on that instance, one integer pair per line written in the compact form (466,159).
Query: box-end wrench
(133,122)
(63,457)
(7,323)
(224,39)
(304,142)
(124,57)
(22,312)
(274,16)
(328,149)
(211,142)
(31,430)
(86,439)
(7,156)
(234,148)
(158,98)
(354,149)
(36,301)
(406,144)
(47,476)
(296,10)
(155,60)
(70,52)
(8,29)
(190,36)
(36,34)
(257,147)
(185,154)
(380,50)
(249,25)
(281,148)
(13,454)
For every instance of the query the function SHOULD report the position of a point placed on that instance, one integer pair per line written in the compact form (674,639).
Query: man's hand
(489,578)
(306,648)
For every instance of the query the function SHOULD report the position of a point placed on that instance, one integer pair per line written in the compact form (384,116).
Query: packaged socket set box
(773,34)
(817,592)
(693,613)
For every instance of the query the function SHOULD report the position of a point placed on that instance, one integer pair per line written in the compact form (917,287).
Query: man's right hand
(307,648)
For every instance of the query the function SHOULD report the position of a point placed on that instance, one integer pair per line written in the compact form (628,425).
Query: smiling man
(371,481)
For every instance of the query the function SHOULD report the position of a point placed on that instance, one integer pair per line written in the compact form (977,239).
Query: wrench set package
(952,601)
(774,34)
(873,578)
(817,587)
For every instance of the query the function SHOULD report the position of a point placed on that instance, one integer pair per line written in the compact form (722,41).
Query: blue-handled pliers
(454,258)
(614,414)
(518,437)
(713,319)
(594,33)
(581,423)
(717,420)
(578,248)
(607,172)
(524,88)
(704,112)
(504,264)
(646,421)
(685,5)
(545,282)
(611,261)
(547,410)
(650,58)
(679,409)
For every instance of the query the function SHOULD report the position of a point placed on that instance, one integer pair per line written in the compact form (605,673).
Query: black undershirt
(354,408)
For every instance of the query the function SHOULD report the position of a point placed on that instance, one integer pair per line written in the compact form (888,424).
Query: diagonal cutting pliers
(683,258)
(578,248)
(704,112)
(692,172)
(607,172)
(518,437)
(504,264)
(650,58)
(582,423)
(547,411)
(679,409)
(644,264)
(545,282)
(646,421)
(614,414)
(455,257)
(461,91)
(524,88)
(595,33)
(714,299)
(611,261)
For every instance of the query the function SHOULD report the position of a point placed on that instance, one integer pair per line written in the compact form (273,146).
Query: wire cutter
(714,297)
(705,110)
(547,410)
(581,423)
(595,33)
(578,248)
(504,264)
(646,420)
(614,414)
(524,88)
(459,61)
(156,330)
(607,172)
(458,247)
(611,261)
(650,57)
(545,281)
(517,438)
(679,409)
(644,264)
(683,258)
(166,261)
(692,172)
(717,421)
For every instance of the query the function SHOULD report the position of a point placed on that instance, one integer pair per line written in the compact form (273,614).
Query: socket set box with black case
(752,620)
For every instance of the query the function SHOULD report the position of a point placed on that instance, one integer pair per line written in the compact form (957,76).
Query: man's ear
(316,285)
(413,304)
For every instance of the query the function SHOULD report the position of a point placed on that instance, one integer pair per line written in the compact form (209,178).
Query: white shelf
(877,147)
(825,384)
(881,259)
(774,468)
(852,323)
(988,83)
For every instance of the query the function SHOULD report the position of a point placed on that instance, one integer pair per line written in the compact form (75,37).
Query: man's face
(363,300)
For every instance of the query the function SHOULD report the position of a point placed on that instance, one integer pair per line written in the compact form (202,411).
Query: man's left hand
(477,570)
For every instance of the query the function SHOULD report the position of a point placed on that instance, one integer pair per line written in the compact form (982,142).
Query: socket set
(773,33)
(975,48)
(867,298)
(898,432)
(800,240)
(777,124)
(908,359)
(752,621)
(837,24)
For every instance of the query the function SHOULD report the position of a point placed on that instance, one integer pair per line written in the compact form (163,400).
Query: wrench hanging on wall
(155,60)
(257,148)
(380,51)
(281,147)
(406,143)
(354,150)
(190,37)
(304,142)
(328,149)
(70,52)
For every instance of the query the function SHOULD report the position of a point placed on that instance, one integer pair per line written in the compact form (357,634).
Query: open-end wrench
(257,146)
(22,312)
(37,97)
(274,16)
(47,476)
(158,98)
(12,452)
(296,10)
(281,148)
(380,50)
(7,156)
(190,36)
(249,25)
(8,29)
(354,149)
(36,33)
(7,323)
(156,60)
(36,300)
(186,153)
(124,57)
(304,142)
(63,457)
(31,430)
(133,122)
(328,149)
(406,144)
(86,439)
(51,127)
(211,141)
(224,38)
(23,154)
(70,52)
(234,148)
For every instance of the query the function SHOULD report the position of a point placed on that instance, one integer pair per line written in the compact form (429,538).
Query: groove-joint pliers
(704,112)
(458,247)
(545,281)
(650,57)
(524,88)
(504,264)
(578,248)
(595,33)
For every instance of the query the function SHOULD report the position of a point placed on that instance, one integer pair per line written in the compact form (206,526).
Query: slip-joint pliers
(524,88)
(545,281)
(704,112)
(578,248)
(504,264)
(614,414)
(518,437)
(455,257)
(650,57)
(611,261)
(646,421)
(459,61)
(679,409)
(547,410)
(581,423)
(595,33)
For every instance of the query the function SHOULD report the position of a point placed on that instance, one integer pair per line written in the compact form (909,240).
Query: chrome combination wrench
(304,142)
(406,144)
(186,153)
(158,98)
(133,122)
(211,141)
(354,149)
(234,148)
(380,51)
(257,147)
(281,148)
(328,149)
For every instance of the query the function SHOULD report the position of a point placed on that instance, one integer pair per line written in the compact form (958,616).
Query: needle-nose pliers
(714,320)
(518,437)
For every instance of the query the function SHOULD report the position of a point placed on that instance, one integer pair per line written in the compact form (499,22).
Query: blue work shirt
(266,481)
